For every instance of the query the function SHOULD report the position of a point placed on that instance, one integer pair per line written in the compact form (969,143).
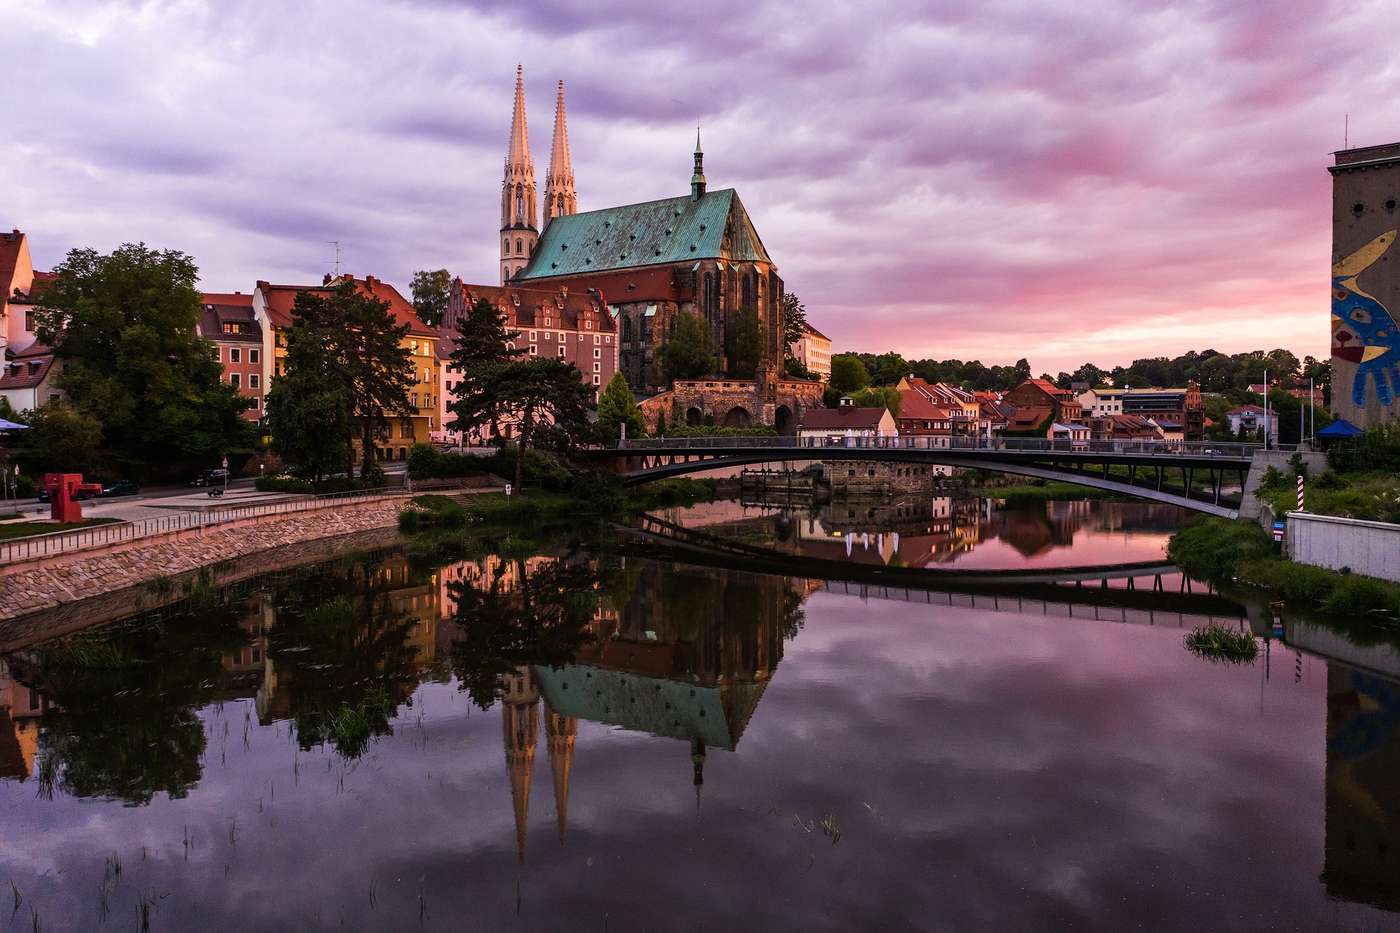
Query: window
(29,321)
(534,349)
(561,351)
(233,379)
(254,356)
(256,403)
(253,380)
(505,247)
(608,339)
(533,336)
(597,381)
(278,367)
(519,243)
(235,355)
(413,399)
(580,338)
(597,367)
(597,354)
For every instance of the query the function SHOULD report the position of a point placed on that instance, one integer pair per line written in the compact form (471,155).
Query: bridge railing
(1226,450)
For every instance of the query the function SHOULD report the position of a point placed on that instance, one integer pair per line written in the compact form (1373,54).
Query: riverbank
(54,580)
(1221,551)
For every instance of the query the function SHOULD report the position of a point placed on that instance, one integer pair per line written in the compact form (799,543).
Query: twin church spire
(519,228)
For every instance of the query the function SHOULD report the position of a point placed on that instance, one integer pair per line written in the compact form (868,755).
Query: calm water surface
(567,738)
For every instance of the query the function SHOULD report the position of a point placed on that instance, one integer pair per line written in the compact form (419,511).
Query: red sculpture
(63,489)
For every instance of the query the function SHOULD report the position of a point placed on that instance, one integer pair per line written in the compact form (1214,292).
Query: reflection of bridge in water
(1156,588)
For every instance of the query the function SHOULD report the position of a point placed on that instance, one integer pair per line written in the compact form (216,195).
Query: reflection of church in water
(693,672)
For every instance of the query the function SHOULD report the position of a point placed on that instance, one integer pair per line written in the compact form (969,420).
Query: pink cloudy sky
(1062,181)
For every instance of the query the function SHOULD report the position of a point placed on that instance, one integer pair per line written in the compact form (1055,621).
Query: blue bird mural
(1363,330)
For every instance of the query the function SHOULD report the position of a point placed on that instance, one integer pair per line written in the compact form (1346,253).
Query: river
(550,733)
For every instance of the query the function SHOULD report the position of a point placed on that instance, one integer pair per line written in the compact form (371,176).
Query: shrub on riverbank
(431,512)
(1370,496)
(1218,643)
(1297,583)
(1355,595)
(1214,548)
(283,483)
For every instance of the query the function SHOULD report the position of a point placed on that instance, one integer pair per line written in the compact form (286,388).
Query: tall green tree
(794,319)
(746,344)
(617,406)
(123,325)
(550,404)
(61,438)
(848,373)
(689,351)
(310,408)
(483,346)
(352,348)
(431,289)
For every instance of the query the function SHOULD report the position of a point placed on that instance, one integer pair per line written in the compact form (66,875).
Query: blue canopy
(1340,428)
(12,426)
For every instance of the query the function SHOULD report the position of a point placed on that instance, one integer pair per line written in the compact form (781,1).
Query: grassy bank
(30,529)
(1218,550)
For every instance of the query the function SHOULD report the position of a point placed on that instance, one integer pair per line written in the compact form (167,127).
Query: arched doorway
(738,417)
(693,417)
(783,421)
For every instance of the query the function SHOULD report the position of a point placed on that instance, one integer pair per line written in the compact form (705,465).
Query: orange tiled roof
(281,299)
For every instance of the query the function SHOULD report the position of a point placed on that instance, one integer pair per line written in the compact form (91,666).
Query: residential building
(557,322)
(228,322)
(17,275)
(1365,284)
(28,378)
(1038,401)
(846,423)
(273,312)
(1073,434)
(920,417)
(1102,402)
(813,350)
(1180,412)
(1250,420)
(963,407)
(1123,428)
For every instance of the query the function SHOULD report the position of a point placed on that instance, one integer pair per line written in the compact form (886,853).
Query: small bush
(1216,642)
(1297,583)
(1355,595)
(1213,548)
(427,462)
(710,430)
(283,483)
(431,512)
(542,470)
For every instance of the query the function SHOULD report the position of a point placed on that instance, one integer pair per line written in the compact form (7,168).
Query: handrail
(838,441)
(62,542)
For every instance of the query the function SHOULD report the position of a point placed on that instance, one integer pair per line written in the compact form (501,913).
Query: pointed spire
(561,732)
(520,721)
(519,153)
(697,181)
(559,196)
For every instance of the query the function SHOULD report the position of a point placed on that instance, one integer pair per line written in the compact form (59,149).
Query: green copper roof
(655,232)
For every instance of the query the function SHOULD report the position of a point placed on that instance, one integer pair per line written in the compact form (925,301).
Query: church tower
(559,196)
(519,230)
(560,732)
(520,720)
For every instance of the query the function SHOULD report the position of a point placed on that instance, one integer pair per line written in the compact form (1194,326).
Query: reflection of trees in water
(122,720)
(516,614)
(341,651)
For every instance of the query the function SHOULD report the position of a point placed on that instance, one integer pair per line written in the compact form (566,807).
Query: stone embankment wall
(1369,548)
(29,586)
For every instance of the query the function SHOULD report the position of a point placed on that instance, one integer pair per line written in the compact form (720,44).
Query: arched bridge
(1203,477)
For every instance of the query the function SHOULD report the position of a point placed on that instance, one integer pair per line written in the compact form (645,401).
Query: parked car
(121,487)
(81,494)
(215,477)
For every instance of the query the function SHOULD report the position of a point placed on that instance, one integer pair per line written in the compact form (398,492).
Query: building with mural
(1365,284)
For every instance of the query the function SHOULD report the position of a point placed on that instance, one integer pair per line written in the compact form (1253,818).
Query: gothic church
(697,253)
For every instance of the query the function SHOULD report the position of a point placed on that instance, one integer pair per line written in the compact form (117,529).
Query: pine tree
(482,349)
(617,406)
(549,401)
(689,352)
